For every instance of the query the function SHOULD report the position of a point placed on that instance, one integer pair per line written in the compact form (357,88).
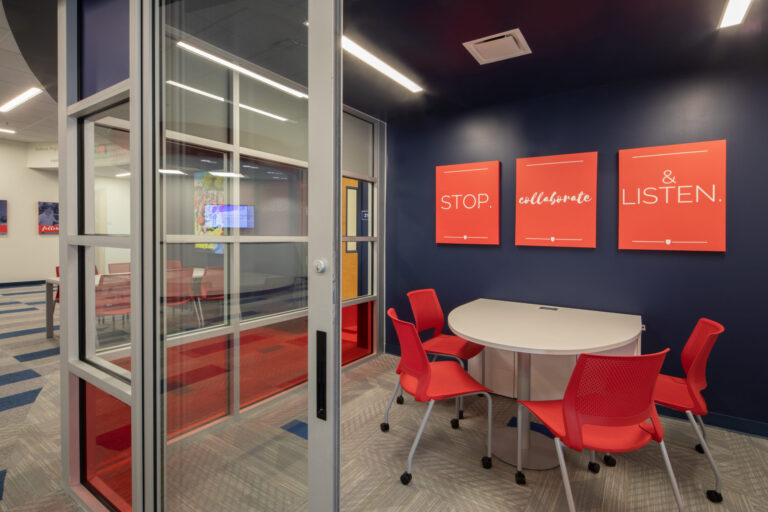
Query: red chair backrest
(426,310)
(119,268)
(695,355)
(611,391)
(413,359)
(173,264)
(179,284)
(212,283)
(113,291)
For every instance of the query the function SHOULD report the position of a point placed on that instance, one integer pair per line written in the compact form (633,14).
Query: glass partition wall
(203,248)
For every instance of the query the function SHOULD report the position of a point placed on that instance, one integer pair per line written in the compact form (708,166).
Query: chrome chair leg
(519,475)
(487,460)
(715,495)
(564,474)
(405,478)
(593,466)
(672,478)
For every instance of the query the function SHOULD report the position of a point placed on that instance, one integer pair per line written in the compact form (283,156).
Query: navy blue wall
(104,44)
(671,290)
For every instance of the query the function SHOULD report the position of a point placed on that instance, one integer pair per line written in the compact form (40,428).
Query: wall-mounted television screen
(228,216)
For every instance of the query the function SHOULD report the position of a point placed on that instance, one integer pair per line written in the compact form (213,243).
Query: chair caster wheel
(609,460)
(699,448)
(455,423)
(714,496)
(461,415)
(384,427)
(520,478)
(594,467)
(487,462)
(405,478)
(400,400)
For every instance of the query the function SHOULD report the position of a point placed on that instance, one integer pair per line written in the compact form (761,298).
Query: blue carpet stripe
(24,293)
(21,310)
(37,303)
(2,482)
(9,303)
(10,378)
(19,399)
(31,356)
(25,332)
(536,427)
(298,428)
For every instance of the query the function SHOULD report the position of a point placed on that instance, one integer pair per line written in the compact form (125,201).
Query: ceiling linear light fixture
(21,98)
(378,64)
(122,175)
(222,174)
(240,69)
(6,130)
(734,12)
(171,171)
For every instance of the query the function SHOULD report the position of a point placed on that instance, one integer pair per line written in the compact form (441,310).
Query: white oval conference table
(538,329)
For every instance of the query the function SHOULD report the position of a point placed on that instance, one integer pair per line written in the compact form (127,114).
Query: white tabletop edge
(544,345)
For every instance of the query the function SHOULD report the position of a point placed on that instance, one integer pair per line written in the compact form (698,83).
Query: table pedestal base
(541,451)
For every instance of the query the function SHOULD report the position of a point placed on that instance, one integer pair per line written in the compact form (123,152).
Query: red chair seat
(673,392)
(600,438)
(447,381)
(450,345)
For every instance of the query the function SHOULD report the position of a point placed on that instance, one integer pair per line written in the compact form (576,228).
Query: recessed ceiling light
(263,112)
(240,69)
(5,130)
(171,171)
(378,64)
(734,12)
(122,175)
(221,174)
(21,98)
(196,91)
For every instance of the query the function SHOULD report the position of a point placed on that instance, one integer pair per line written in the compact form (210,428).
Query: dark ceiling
(575,44)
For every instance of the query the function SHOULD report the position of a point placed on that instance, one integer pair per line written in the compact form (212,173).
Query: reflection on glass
(196,189)
(197,95)
(112,308)
(106,446)
(356,270)
(274,199)
(197,384)
(196,293)
(272,121)
(273,278)
(107,171)
(272,359)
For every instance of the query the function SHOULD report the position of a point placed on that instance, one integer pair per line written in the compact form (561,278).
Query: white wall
(25,255)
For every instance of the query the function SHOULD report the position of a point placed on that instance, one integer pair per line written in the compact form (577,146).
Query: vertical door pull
(321,365)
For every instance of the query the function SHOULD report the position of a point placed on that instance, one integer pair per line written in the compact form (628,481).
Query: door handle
(320,342)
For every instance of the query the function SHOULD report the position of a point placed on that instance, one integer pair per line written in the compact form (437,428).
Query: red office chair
(113,296)
(685,394)
(431,381)
(179,288)
(606,408)
(173,265)
(429,315)
(119,268)
(211,287)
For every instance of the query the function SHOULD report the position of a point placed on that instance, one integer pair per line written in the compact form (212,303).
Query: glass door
(246,171)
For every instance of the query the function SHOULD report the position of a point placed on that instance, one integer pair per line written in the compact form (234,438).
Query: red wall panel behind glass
(106,425)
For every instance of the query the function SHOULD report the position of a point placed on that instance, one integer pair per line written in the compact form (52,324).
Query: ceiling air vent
(505,45)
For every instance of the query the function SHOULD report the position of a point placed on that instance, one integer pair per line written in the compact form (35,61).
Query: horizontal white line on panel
(465,170)
(678,153)
(556,163)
